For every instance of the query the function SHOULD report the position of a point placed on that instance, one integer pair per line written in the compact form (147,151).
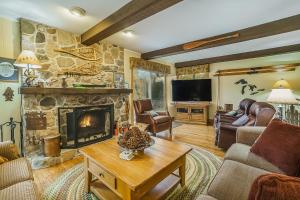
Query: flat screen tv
(191,90)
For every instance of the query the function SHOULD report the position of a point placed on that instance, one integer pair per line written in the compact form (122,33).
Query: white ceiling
(186,21)
(55,12)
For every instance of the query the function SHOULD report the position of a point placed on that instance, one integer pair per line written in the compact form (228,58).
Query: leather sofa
(239,169)
(260,114)
(156,124)
(244,107)
(16,178)
(221,116)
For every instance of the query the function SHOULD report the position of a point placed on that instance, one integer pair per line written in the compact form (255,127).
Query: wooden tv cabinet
(192,112)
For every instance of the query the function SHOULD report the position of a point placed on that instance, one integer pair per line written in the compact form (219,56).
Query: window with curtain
(150,85)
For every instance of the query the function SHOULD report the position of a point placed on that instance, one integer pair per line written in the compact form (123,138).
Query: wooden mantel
(72,91)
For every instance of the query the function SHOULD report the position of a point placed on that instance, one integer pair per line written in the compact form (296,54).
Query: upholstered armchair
(260,114)
(157,121)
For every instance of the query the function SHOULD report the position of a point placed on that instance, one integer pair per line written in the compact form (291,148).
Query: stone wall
(43,40)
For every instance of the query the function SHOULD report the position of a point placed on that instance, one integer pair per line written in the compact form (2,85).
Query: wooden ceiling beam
(241,56)
(131,13)
(264,30)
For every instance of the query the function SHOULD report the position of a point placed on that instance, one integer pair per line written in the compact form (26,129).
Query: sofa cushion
(241,153)
(3,160)
(275,186)
(161,119)
(241,121)
(15,171)
(20,191)
(279,144)
(9,150)
(233,181)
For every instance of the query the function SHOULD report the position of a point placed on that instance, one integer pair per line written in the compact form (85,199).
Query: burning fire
(86,121)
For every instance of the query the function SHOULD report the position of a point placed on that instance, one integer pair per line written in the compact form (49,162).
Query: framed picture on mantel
(8,72)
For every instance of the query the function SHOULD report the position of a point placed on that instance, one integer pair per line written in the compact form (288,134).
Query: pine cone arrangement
(135,139)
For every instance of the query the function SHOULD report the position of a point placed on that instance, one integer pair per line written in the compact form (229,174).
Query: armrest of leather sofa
(248,134)
(227,126)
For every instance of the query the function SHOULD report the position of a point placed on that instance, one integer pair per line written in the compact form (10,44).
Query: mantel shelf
(72,91)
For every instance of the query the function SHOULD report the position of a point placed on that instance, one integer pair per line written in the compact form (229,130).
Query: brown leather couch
(156,124)
(220,116)
(260,114)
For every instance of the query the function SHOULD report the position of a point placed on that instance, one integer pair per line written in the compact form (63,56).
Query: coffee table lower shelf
(158,192)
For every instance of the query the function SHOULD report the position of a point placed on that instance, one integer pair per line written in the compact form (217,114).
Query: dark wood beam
(264,30)
(241,56)
(131,13)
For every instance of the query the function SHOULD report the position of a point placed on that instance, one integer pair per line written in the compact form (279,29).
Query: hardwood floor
(198,135)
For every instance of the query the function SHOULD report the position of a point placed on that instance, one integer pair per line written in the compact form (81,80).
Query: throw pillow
(3,160)
(275,186)
(231,113)
(241,121)
(152,113)
(280,145)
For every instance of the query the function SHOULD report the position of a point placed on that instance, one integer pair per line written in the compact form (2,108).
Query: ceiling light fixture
(128,33)
(77,11)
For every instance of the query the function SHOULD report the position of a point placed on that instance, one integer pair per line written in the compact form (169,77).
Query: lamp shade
(283,84)
(282,96)
(27,58)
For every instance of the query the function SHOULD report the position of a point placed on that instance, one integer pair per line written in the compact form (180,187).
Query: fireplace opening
(80,126)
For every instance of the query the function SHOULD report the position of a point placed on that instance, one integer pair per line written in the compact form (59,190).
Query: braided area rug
(201,166)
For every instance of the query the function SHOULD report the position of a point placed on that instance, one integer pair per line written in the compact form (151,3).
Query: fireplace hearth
(84,125)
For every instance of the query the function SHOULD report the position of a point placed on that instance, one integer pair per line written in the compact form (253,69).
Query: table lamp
(28,60)
(281,94)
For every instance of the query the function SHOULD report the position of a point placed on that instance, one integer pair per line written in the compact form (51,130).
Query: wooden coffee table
(147,176)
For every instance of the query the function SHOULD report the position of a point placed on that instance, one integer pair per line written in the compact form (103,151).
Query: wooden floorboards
(198,135)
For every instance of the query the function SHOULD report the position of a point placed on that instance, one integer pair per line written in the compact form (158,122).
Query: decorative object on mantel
(281,94)
(200,43)
(28,60)
(36,121)
(88,86)
(85,53)
(9,94)
(258,70)
(135,140)
(252,88)
(119,80)
(88,69)
(8,72)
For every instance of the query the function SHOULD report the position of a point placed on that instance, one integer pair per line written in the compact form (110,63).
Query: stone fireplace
(80,126)
(45,41)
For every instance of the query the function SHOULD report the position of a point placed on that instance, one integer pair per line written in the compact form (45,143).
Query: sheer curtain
(150,85)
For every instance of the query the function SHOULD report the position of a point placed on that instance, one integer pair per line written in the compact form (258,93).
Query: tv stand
(192,112)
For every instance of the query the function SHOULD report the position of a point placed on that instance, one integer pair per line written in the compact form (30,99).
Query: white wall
(231,93)
(9,48)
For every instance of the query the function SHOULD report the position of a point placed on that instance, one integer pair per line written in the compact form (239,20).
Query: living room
(158,99)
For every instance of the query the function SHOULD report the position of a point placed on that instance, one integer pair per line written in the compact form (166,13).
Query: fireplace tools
(12,125)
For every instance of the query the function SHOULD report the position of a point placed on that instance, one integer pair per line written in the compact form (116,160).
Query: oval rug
(201,166)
